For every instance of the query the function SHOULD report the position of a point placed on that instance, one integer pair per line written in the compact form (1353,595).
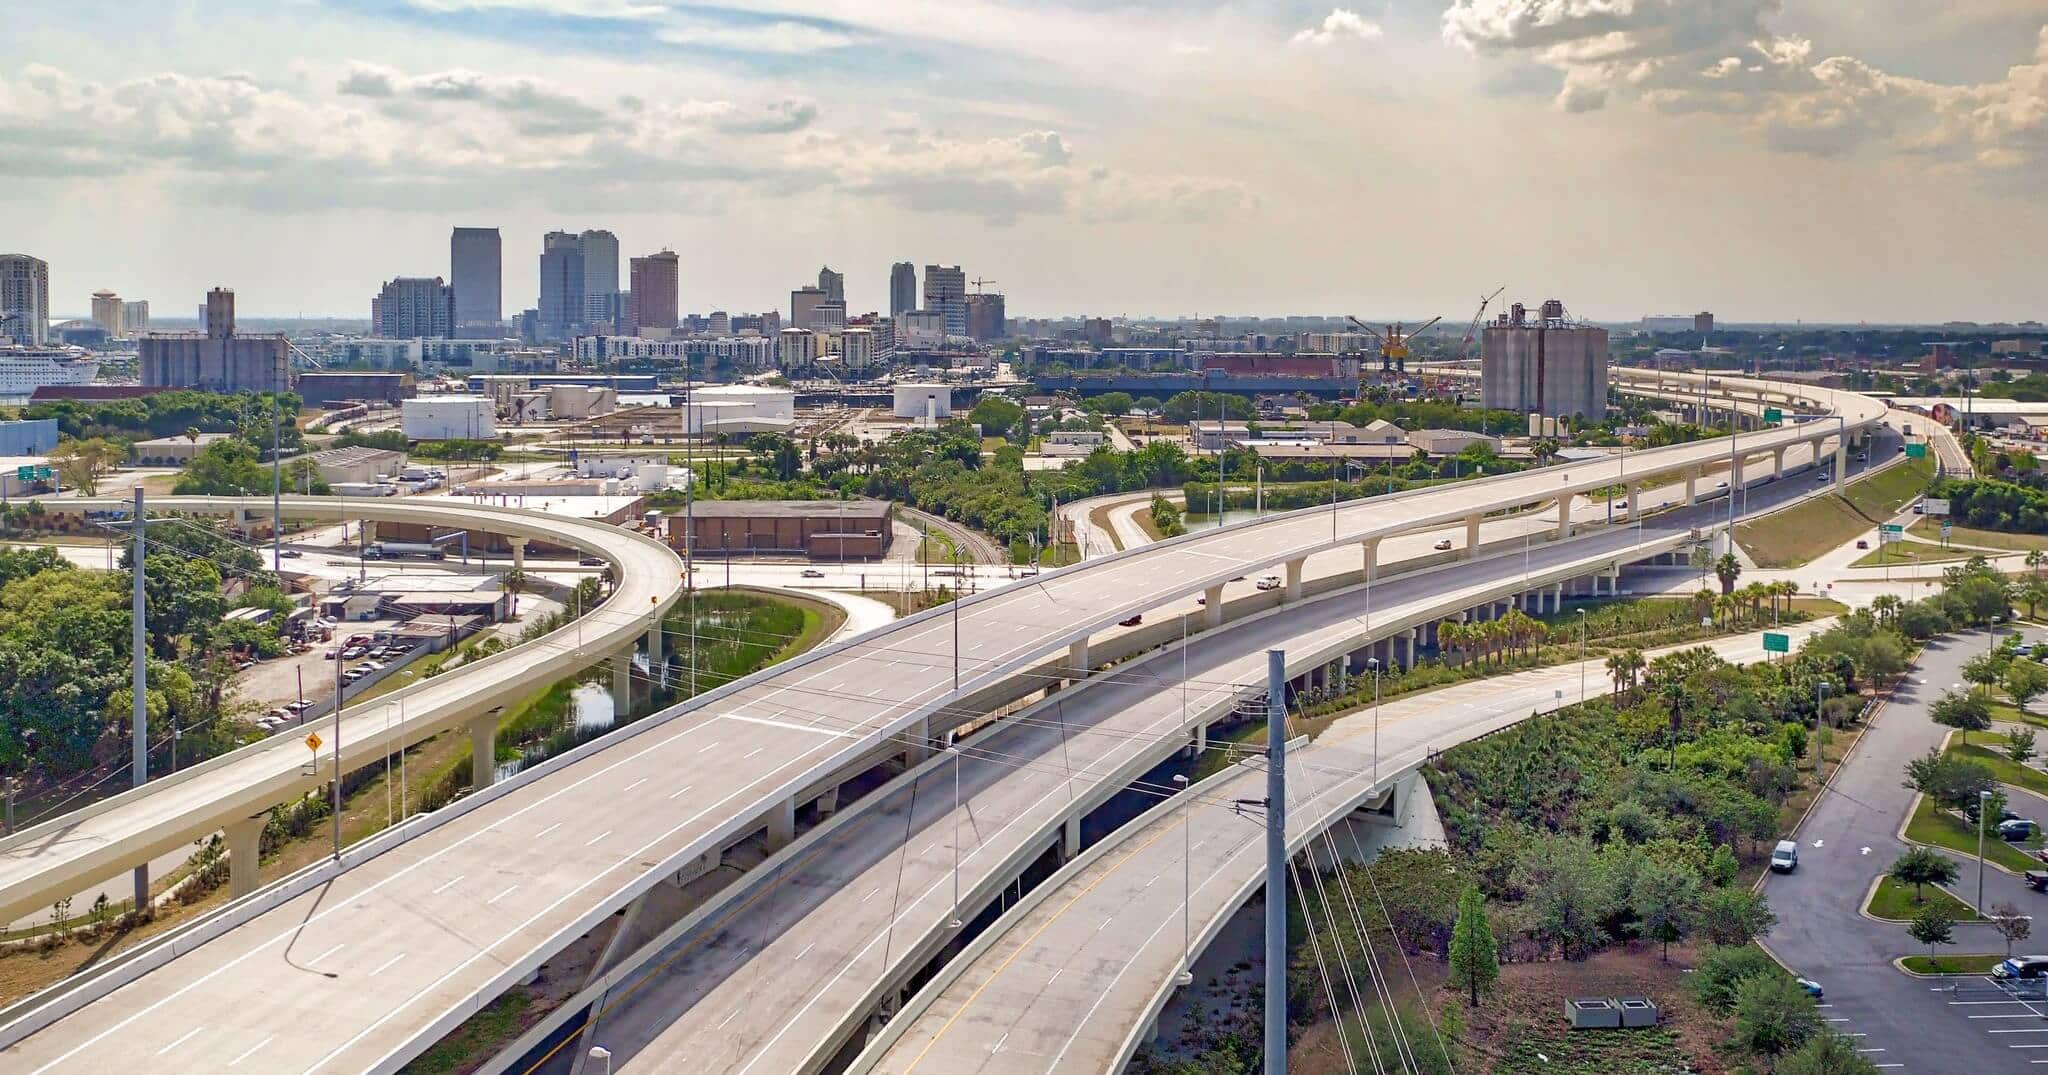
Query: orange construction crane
(1394,342)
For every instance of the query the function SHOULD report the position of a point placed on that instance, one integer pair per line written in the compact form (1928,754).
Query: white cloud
(1341,24)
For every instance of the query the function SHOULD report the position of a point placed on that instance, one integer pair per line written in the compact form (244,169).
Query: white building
(924,401)
(797,349)
(764,402)
(857,348)
(450,417)
(920,330)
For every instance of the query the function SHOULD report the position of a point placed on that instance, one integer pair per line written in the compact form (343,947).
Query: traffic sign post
(1777,642)
(1773,414)
(1933,506)
(1916,451)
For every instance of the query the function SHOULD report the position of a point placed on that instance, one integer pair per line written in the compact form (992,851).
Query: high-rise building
(106,312)
(476,269)
(135,316)
(415,306)
(803,302)
(1548,365)
(902,288)
(656,291)
(985,316)
(24,300)
(600,275)
(833,284)
(217,360)
(828,316)
(945,293)
(561,285)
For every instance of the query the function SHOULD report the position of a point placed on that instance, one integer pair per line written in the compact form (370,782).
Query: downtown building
(476,270)
(657,293)
(945,294)
(902,288)
(410,307)
(24,300)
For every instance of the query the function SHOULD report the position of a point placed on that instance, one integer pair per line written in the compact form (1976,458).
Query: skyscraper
(833,284)
(945,293)
(561,284)
(106,312)
(803,302)
(476,269)
(24,299)
(902,288)
(985,319)
(415,306)
(656,291)
(135,316)
(600,276)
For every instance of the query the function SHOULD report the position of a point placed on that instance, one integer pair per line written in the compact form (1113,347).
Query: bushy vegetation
(247,415)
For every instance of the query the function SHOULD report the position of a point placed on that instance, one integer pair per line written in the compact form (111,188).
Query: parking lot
(2013,1015)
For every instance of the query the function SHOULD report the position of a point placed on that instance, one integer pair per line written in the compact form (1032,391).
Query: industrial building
(218,359)
(349,466)
(173,451)
(821,529)
(37,436)
(927,401)
(324,389)
(450,417)
(1547,364)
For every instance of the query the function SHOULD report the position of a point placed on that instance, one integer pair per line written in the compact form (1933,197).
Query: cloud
(1686,56)
(1341,24)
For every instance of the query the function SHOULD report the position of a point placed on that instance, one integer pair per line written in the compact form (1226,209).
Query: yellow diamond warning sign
(313,741)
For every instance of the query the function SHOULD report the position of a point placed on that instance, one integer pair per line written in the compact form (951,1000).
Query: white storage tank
(450,417)
(764,401)
(932,401)
(652,476)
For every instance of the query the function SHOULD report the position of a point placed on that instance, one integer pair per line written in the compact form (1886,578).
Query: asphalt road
(1847,841)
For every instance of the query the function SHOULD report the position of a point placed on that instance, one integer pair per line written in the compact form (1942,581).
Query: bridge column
(1557,597)
(1692,485)
(781,824)
(1634,490)
(1564,518)
(1371,549)
(828,803)
(1406,655)
(1070,838)
(518,553)
(1201,740)
(1077,660)
(1471,537)
(1294,569)
(1841,461)
(1735,478)
(1212,610)
(245,847)
(1777,462)
(917,743)
(622,682)
(483,751)
(657,662)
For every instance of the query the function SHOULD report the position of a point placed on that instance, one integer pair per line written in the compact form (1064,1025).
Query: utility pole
(1276,862)
(277,472)
(139,657)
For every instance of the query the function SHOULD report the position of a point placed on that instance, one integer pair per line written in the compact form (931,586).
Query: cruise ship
(25,369)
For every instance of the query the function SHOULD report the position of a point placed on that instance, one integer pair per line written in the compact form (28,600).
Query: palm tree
(1623,668)
(1727,569)
(1703,603)
(1885,606)
(2034,561)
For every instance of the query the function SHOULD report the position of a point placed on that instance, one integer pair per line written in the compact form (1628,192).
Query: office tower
(656,291)
(828,316)
(476,269)
(985,320)
(106,312)
(902,288)
(945,293)
(802,303)
(833,284)
(135,316)
(415,306)
(217,360)
(600,275)
(24,299)
(719,323)
(1548,365)
(561,285)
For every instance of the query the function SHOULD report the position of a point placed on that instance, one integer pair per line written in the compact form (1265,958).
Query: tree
(1827,1053)
(1932,926)
(2024,681)
(1964,712)
(1623,668)
(996,415)
(1723,868)
(1727,569)
(1983,670)
(1952,781)
(1923,866)
(1475,964)
(2020,745)
(2011,924)
(1773,1015)
(1734,916)
(1722,970)
(82,463)
(1665,899)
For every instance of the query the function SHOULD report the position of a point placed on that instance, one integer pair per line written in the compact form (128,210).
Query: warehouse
(820,529)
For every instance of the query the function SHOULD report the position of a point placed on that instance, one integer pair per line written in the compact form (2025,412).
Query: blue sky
(1827,159)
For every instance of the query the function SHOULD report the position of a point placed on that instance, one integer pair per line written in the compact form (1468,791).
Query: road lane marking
(327,953)
(387,964)
(680,792)
(251,1051)
(542,834)
(598,837)
(501,895)
(448,885)
(188,1035)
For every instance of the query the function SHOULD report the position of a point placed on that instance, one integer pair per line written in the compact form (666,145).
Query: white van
(1785,856)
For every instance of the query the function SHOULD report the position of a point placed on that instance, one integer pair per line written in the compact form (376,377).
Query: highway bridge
(359,966)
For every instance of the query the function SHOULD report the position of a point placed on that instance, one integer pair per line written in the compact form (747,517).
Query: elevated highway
(417,929)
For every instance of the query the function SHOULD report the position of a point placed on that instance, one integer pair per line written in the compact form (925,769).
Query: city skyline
(1823,160)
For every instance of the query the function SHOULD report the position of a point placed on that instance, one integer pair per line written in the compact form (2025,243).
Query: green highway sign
(1777,642)
(31,473)
(1916,451)
(1773,414)
(1892,528)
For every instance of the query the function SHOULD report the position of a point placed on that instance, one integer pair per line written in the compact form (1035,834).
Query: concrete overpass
(443,915)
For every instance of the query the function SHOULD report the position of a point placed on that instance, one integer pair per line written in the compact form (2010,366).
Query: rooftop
(788,509)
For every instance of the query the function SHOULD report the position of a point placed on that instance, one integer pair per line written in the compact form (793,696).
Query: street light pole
(1187,880)
(1983,808)
(139,657)
(955,751)
(1373,663)
(1582,656)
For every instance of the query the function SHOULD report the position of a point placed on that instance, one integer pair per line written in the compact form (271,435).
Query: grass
(1956,964)
(1100,517)
(1893,901)
(2008,713)
(1911,552)
(1797,535)
(1930,529)
(1940,828)
(479,1038)
(936,548)
(1143,517)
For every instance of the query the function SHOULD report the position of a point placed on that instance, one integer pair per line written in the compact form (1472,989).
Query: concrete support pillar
(781,824)
(518,553)
(1841,462)
(919,746)
(1407,654)
(1294,570)
(1212,610)
(483,751)
(657,660)
(1777,462)
(1077,660)
(1471,536)
(1201,740)
(245,848)
(1564,518)
(1371,549)
(1735,479)
(366,532)
(1692,486)
(1634,505)
(1557,598)
(622,682)
(1070,838)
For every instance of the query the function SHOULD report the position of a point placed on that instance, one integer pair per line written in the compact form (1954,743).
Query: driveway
(1905,1024)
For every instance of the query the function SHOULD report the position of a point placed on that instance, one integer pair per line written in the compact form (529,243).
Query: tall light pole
(1276,863)
(1582,656)
(139,657)
(1373,664)
(599,1052)
(1187,880)
(955,751)
(1983,808)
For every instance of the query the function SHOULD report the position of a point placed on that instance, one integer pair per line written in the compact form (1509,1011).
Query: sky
(1827,160)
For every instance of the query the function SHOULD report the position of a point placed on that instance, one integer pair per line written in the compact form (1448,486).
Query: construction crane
(1472,330)
(1394,342)
(980,284)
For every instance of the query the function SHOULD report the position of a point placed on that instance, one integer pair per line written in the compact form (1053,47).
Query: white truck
(395,550)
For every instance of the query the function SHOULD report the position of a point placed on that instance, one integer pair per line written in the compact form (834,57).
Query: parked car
(812,573)
(1270,582)
(2015,830)
(2004,813)
(1785,856)
(1133,621)
(360,640)
(299,706)
(353,651)
(2022,968)
(1442,546)
(1812,988)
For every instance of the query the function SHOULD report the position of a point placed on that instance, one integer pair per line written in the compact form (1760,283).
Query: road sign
(1773,414)
(1893,529)
(313,741)
(1931,506)
(1777,642)
(1916,451)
